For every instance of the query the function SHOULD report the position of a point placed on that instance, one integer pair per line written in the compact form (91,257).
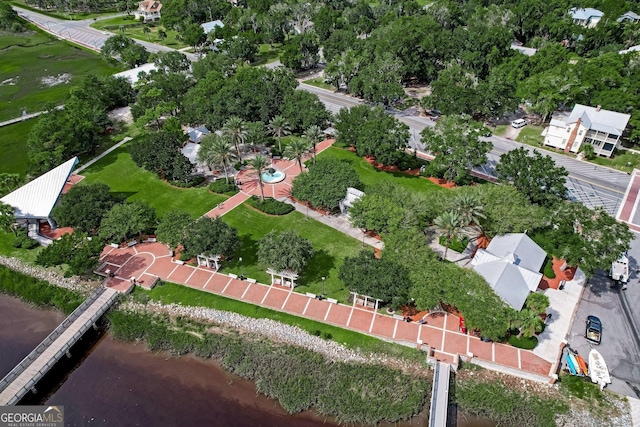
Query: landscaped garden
(125,178)
(38,69)
(128,26)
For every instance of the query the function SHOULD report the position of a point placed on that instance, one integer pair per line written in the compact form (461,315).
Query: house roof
(150,6)
(207,27)
(635,48)
(631,16)
(585,14)
(353,195)
(132,74)
(507,281)
(599,119)
(196,134)
(190,151)
(529,51)
(526,252)
(37,198)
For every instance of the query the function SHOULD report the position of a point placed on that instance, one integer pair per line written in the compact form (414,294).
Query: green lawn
(136,30)
(7,249)
(119,172)
(168,293)
(500,130)
(28,58)
(268,54)
(331,248)
(623,160)
(319,82)
(13,147)
(372,176)
(531,135)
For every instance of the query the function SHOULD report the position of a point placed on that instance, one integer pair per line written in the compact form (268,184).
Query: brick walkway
(149,261)
(628,211)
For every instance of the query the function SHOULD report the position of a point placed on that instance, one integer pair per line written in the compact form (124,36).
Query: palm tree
(529,322)
(255,134)
(469,209)
(314,135)
(279,128)
(449,224)
(259,164)
(7,218)
(296,149)
(217,150)
(236,129)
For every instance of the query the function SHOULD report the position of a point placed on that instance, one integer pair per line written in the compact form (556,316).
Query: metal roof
(507,281)
(528,254)
(585,14)
(207,27)
(599,119)
(37,198)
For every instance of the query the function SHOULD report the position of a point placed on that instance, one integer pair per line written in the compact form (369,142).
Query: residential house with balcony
(588,17)
(149,10)
(587,125)
(629,16)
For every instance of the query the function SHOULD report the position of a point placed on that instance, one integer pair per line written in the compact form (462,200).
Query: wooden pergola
(209,261)
(367,298)
(284,274)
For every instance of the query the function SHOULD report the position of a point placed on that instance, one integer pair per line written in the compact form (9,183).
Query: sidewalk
(95,159)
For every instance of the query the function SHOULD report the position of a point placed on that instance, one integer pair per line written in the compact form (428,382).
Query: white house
(600,128)
(586,17)
(629,16)
(207,27)
(149,10)
(511,266)
(196,134)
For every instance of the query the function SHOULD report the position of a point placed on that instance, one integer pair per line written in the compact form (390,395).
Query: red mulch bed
(554,283)
(373,234)
(377,253)
(442,182)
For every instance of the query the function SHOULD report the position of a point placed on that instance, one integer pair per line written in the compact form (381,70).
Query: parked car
(593,332)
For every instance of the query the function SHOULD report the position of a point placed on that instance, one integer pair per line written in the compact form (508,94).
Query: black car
(593,332)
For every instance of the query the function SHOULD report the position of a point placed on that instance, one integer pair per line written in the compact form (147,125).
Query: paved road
(620,315)
(592,185)
(81,33)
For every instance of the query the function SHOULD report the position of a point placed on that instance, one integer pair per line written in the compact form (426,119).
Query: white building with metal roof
(34,201)
(587,125)
(587,17)
(511,266)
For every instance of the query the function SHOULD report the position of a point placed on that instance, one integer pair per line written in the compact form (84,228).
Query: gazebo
(284,274)
(34,201)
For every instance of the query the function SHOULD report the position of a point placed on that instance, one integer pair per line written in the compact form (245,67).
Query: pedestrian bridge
(440,395)
(23,378)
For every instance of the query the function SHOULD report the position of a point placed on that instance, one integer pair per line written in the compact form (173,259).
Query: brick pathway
(149,261)
(628,211)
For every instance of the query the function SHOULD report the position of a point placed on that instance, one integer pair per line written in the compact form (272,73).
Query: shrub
(548,269)
(270,206)
(22,240)
(523,342)
(456,245)
(409,161)
(195,181)
(221,186)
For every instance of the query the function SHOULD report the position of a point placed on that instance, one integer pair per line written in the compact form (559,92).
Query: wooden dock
(440,395)
(23,378)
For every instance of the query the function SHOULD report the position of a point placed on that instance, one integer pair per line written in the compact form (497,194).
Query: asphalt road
(590,184)
(620,315)
(81,33)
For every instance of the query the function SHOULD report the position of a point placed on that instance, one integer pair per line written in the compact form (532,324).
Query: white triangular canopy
(37,198)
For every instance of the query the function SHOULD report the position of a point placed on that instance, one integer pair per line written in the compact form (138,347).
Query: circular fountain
(272,176)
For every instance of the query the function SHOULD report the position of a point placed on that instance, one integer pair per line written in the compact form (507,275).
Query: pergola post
(215,261)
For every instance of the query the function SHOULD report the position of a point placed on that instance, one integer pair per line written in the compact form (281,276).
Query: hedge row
(298,378)
(270,206)
(38,292)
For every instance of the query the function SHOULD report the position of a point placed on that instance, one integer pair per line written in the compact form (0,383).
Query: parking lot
(619,311)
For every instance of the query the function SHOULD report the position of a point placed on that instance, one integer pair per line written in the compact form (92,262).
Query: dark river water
(110,383)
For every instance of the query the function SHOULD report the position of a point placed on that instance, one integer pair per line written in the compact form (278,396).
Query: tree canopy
(84,206)
(535,176)
(160,153)
(172,228)
(326,183)
(78,252)
(210,237)
(127,220)
(285,250)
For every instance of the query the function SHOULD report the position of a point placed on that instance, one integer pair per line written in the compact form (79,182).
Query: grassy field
(170,293)
(319,82)
(500,130)
(119,172)
(7,249)
(30,57)
(268,54)
(531,135)
(72,16)
(623,160)
(13,147)
(372,176)
(136,30)
(331,248)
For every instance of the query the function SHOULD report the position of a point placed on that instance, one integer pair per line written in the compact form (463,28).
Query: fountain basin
(272,176)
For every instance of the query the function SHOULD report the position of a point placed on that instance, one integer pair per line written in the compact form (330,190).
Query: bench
(251,280)
(114,245)
(233,276)
(132,243)
(179,262)
(332,300)
(151,240)
(398,317)
(310,295)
